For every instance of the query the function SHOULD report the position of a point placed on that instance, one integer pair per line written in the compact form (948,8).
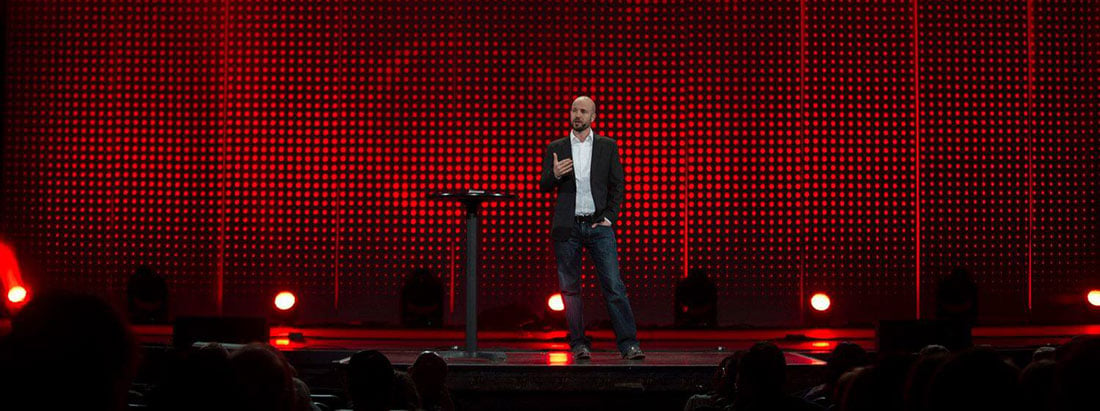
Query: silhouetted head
(68,351)
(429,373)
(1077,373)
(1037,390)
(844,358)
(761,372)
(974,379)
(725,381)
(920,376)
(370,380)
(857,390)
(1044,353)
(933,349)
(264,379)
(200,378)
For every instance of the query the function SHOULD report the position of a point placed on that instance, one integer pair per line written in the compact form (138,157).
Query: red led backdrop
(862,148)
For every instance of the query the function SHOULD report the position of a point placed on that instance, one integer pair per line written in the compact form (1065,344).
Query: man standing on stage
(585,171)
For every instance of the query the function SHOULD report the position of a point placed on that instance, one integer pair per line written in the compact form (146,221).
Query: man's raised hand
(562,167)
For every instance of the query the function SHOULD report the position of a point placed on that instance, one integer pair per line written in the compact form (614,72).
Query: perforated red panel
(862,149)
(1063,111)
(860,163)
(974,148)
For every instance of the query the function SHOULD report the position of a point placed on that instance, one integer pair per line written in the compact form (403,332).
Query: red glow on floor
(557,358)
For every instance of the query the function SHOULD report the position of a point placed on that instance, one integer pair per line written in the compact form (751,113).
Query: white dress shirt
(582,172)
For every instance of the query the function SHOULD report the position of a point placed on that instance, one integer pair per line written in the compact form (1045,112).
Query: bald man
(584,170)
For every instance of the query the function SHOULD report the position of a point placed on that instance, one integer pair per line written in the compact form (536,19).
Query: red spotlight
(555,302)
(285,300)
(11,280)
(820,302)
(17,294)
(1094,298)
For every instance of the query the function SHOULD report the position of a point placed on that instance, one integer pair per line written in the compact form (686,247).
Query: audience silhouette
(67,351)
(845,357)
(194,379)
(373,384)
(974,379)
(429,374)
(71,351)
(761,374)
(723,387)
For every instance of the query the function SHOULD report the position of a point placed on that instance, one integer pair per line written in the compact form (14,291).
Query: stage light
(553,316)
(17,294)
(11,280)
(555,303)
(147,297)
(1094,298)
(422,300)
(695,301)
(284,310)
(285,300)
(820,302)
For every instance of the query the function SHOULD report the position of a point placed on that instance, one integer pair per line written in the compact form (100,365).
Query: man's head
(582,113)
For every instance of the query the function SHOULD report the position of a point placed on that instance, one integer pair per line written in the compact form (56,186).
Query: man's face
(582,114)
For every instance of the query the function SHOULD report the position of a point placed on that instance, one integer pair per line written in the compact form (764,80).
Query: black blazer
(607,179)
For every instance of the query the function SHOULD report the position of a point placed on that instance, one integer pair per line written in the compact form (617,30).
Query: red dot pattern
(861,149)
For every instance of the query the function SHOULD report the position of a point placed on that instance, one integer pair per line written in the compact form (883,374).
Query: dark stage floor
(541,347)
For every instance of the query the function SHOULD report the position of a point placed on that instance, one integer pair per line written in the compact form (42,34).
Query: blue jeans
(600,242)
